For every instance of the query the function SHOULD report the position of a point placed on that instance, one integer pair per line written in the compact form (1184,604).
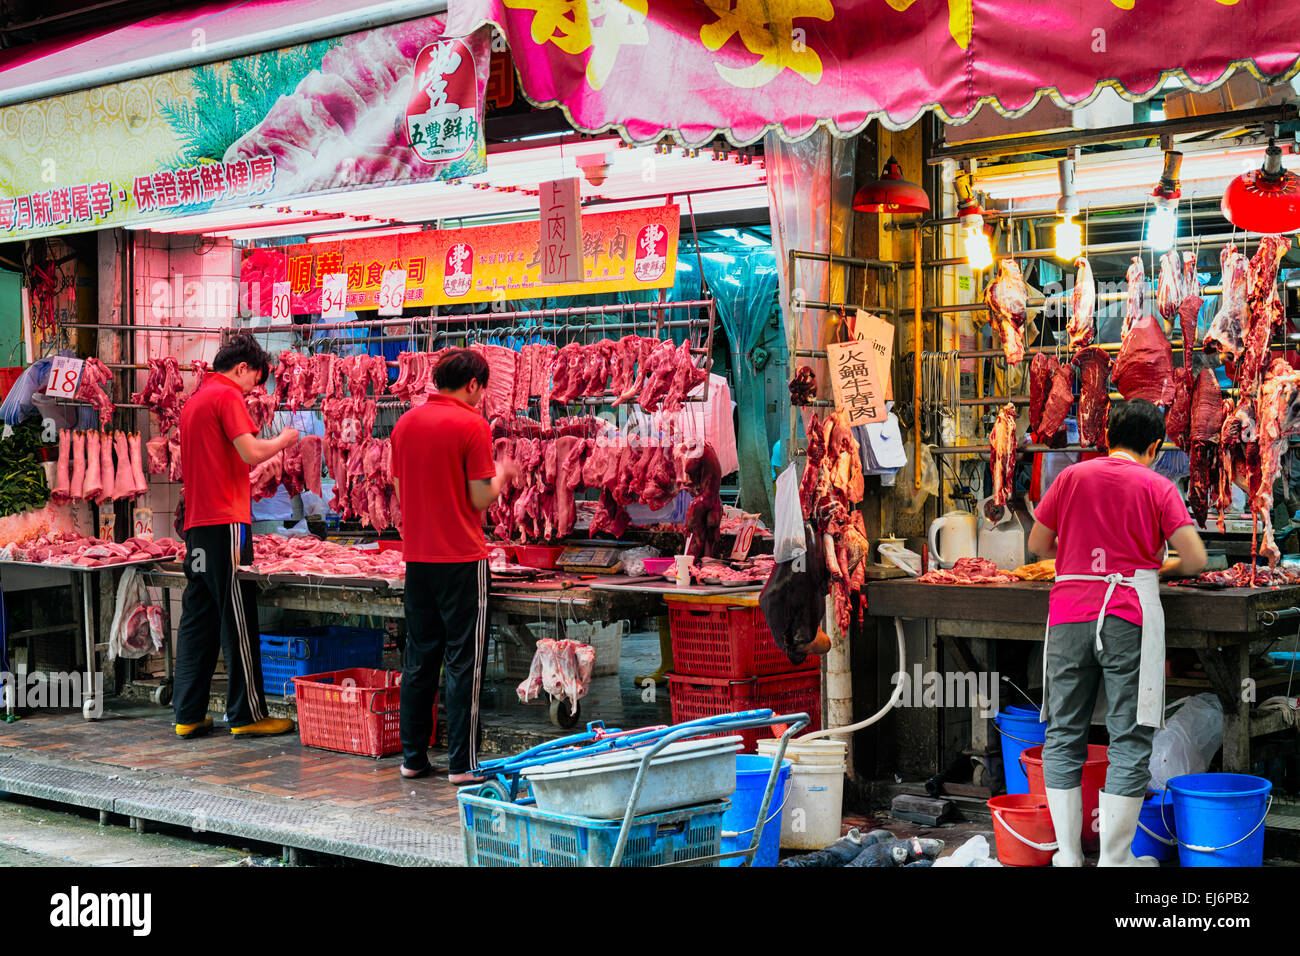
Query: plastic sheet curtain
(744,286)
(810,189)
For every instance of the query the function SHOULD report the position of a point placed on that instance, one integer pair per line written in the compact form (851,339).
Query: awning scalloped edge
(889,122)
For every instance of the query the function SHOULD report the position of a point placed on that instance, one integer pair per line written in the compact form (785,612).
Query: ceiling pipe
(186,57)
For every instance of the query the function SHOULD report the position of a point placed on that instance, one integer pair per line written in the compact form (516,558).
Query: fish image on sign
(441,117)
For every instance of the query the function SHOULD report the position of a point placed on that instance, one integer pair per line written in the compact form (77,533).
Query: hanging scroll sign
(855,382)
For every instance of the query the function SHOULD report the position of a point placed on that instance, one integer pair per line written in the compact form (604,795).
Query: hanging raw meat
(1041,370)
(94,483)
(1169,292)
(1006,297)
(107,476)
(1264,313)
(77,487)
(1206,421)
(1002,454)
(1278,419)
(1226,336)
(1144,367)
(1189,309)
(1178,420)
(63,475)
(1135,282)
(1060,397)
(1094,395)
(1083,302)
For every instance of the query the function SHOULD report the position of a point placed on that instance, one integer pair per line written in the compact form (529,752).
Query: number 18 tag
(65,376)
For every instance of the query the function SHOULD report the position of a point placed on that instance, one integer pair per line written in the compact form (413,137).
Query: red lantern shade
(891,193)
(1265,200)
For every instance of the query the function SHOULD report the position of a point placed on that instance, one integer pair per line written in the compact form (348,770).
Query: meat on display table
(1220,626)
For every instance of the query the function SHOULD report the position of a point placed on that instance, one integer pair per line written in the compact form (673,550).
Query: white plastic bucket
(812,815)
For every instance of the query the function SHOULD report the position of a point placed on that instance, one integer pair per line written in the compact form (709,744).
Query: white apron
(1151,670)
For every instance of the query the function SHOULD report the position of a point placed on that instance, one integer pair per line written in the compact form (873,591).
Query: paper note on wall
(855,376)
(867,327)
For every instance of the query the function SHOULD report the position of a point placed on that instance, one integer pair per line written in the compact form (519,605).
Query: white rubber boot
(1118,817)
(1067,819)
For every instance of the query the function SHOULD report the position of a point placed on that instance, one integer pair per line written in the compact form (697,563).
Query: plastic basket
(509,834)
(354,711)
(712,640)
(314,651)
(691,698)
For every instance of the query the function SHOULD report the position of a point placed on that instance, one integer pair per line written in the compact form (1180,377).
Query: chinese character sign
(395,105)
(561,230)
(879,335)
(745,66)
(855,382)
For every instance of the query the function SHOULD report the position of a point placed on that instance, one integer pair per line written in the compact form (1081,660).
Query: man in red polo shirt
(445,479)
(219,612)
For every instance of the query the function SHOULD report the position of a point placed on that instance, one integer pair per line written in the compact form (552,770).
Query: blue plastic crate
(315,651)
(511,834)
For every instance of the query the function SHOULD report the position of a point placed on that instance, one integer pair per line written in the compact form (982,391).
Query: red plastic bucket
(1094,778)
(1022,829)
(538,555)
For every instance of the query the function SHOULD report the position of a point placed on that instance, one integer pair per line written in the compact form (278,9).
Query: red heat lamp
(1264,200)
(891,193)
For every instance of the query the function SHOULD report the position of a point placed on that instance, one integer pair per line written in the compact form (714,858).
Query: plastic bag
(18,405)
(634,560)
(1191,737)
(974,852)
(789,542)
(910,499)
(139,626)
(900,557)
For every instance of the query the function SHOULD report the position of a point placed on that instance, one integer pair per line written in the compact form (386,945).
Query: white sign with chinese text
(65,376)
(392,292)
(561,228)
(854,381)
(280,301)
(107,524)
(875,331)
(334,296)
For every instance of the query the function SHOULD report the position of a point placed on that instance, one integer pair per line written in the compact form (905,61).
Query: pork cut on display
(1226,336)
(1002,454)
(1278,419)
(1264,312)
(1083,304)
(1189,309)
(1135,287)
(1007,297)
(1060,396)
(1041,370)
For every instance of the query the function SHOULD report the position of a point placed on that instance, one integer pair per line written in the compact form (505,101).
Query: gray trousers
(1075,671)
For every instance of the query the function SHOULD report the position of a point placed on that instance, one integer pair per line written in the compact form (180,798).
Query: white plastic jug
(1001,541)
(953,537)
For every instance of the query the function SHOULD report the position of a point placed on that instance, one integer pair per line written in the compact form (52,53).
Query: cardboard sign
(866,327)
(107,524)
(744,537)
(392,292)
(280,302)
(334,296)
(65,376)
(561,231)
(854,382)
(142,523)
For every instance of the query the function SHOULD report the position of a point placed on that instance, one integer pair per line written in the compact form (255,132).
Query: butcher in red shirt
(218,611)
(445,479)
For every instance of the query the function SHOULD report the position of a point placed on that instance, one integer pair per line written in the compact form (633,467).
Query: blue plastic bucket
(751,780)
(1219,818)
(1155,840)
(1020,729)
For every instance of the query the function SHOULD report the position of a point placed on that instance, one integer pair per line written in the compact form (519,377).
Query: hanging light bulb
(1069,234)
(1162,224)
(979,252)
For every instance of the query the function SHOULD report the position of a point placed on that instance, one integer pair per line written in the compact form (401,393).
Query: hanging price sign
(334,295)
(107,525)
(744,538)
(142,523)
(392,292)
(65,376)
(280,301)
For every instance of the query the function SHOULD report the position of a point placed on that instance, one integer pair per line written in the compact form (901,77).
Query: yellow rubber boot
(665,655)
(193,730)
(266,727)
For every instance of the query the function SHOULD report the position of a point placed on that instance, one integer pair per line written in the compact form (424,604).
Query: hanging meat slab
(1206,422)
(1144,367)
(1226,336)
(1041,371)
(1006,297)
(1264,313)
(1278,419)
(1094,395)
(1060,396)
(1189,310)
(1002,451)
(1135,281)
(1169,291)
(1083,304)
(1178,420)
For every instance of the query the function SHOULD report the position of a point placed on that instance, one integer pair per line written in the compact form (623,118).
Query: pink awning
(741,67)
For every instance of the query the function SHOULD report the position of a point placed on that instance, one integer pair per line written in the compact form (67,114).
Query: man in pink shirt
(1107,522)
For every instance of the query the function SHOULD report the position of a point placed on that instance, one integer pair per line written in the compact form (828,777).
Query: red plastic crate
(355,711)
(691,698)
(713,640)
